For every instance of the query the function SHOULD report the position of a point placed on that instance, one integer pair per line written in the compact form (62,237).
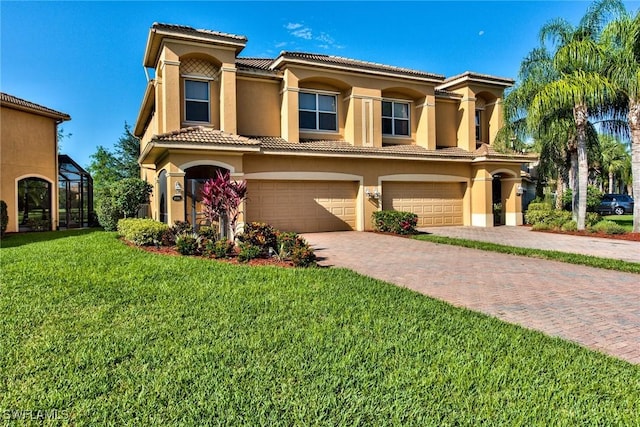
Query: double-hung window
(478,125)
(196,101)
(395,118)
(318,111)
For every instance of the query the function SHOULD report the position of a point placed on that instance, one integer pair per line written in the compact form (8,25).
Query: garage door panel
(303,206)
(435,203)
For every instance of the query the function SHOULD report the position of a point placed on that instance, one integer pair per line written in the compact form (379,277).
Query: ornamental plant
(4,217)
(222,198)
(397,222)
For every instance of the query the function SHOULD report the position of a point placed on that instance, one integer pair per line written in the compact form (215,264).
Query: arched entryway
(34,204)
(194,180)
(498,202)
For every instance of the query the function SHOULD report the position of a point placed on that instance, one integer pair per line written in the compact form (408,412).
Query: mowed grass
(112,335)
(625,221)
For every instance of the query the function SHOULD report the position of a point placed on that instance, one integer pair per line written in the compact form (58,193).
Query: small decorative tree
(222,198)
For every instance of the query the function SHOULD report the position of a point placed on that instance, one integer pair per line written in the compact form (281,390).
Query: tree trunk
(611,182)
(580,116)
(634,125)
(559,190)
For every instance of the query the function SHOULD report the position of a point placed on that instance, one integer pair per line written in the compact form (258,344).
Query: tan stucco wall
(447,119)
(258,102)
(28,149)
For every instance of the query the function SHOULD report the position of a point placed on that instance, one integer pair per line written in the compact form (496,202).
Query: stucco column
(482,199)
(175,208)
(512,203)
(426,119)
(289,111)
(228,121)
(170,88)
(467,128)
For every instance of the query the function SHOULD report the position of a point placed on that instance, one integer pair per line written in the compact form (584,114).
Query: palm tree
(622,40)
(613,157)
(580,87)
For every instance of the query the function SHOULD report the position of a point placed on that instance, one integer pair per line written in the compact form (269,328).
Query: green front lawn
(625,221)
(113,335)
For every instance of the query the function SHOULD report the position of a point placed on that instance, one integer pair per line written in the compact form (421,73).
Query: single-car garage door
(435,203)
(303,206)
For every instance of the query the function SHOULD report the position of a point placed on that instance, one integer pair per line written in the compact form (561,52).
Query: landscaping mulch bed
(171,251)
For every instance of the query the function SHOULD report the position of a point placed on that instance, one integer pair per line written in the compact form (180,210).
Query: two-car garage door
(435,203)
(303,206)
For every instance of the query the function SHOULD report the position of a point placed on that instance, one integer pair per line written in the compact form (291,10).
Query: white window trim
(208,101)
(393,118)
(317,110)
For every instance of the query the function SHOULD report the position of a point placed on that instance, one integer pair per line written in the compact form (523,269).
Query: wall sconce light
(178,194)
(374,195)
(519,190)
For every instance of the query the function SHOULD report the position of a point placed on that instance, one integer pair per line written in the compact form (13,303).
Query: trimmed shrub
(594,196)
(592,219)
(261,235)
(302,255)
(188,243)
(4,218)
(569,226)
(107,211)
(608,227)
(249,252)
(542,213)
(558,219)
(142,231)
(537,212)
(219,249)
(541,226)
(397,222)
(208,232)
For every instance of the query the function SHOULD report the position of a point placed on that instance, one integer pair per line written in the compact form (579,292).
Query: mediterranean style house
(322,141)
(43,190)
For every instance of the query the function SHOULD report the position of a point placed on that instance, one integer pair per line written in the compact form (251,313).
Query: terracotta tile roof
(486,150)
(203,135)
(354,63)
(324,146)
(259,63)
(446,93)
(22,104)
(477,77)
(190,31)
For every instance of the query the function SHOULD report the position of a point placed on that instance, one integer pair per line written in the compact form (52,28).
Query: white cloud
(325,38)
(281,44)
(303,33)
(481,32)
(293,26)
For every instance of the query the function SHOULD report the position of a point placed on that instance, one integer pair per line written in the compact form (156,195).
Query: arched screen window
(34,204)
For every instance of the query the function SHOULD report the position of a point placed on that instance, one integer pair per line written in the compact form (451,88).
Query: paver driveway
(596,308)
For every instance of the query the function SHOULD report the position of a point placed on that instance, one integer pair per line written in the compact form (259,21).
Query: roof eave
(60,117)
(146,108)
(281,60)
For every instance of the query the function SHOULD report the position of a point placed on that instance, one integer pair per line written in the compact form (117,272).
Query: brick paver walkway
(524,237)
(599,309)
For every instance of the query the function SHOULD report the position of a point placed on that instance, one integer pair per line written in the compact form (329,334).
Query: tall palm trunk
(634,125)
(559,188)
(580,115)
(611,182)
(572,149)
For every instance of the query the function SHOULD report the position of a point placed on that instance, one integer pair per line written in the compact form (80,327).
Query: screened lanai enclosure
(75,194)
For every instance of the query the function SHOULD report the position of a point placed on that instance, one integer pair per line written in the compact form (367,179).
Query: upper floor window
(478,125)
(395,118)
(318,111)
(196,101)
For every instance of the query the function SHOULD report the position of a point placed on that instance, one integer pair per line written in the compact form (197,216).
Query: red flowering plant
(222,198)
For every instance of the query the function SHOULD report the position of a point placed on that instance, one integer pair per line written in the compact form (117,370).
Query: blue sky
(85,58)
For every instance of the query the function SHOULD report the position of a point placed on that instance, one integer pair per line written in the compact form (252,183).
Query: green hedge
(608,227)
(395,222)
(142,231)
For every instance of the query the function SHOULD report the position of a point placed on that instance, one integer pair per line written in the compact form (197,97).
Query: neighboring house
(322,141)
(40,191)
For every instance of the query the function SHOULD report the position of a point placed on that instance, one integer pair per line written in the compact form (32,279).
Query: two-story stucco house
(322,141)
(43,190)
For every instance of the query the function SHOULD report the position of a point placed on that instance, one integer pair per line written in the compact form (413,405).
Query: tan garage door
(435,203)
(303,206)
